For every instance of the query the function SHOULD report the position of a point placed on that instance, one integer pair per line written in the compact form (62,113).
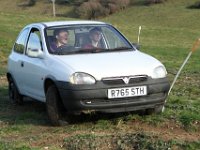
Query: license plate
(127,92)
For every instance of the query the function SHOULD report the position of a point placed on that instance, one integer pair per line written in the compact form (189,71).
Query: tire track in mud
(167,131)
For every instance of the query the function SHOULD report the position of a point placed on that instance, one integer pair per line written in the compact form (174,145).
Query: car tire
(156,110)
(54,106)
(14,95)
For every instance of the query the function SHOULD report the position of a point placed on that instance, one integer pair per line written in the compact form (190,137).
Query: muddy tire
(14,95)
(55,108)
(156,110)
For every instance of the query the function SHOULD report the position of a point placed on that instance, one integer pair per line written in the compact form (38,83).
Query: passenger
(95,36)
(60,40)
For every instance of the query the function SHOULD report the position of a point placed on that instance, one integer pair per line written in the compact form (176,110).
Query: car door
(34,68)
(17,57)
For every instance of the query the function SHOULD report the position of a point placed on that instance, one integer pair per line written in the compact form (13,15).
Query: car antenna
(194,47)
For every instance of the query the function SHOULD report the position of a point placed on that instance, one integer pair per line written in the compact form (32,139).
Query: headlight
(159,72)
(82,78)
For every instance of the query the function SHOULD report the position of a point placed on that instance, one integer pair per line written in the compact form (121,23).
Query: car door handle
(22,64)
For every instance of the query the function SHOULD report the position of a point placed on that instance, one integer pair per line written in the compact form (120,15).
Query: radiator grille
(125,79)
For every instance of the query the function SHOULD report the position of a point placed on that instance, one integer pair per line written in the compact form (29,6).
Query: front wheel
(55,108)
(13,92)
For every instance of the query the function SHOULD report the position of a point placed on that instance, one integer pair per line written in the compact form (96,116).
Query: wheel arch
(9,77)
(47,83)
(49,80)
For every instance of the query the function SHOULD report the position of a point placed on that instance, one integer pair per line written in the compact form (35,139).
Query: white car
(112,77)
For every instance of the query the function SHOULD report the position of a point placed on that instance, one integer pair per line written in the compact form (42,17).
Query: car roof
(60,23)
(43,25)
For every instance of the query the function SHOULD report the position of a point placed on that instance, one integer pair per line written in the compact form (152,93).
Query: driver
(95,38)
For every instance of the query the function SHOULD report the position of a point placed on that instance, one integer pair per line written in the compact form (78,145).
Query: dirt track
(168,130)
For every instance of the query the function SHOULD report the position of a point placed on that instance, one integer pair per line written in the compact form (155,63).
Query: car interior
(77,39)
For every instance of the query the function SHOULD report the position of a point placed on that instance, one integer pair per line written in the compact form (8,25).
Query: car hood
(112,64)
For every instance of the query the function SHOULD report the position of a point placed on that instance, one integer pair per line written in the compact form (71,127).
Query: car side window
(20,42)
(34,41)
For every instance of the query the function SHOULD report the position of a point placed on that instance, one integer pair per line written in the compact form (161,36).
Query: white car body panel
(34,72)
(14,64)
(102,65)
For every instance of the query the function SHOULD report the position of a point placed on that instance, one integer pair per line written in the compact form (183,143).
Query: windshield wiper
(94,50)
(120,48)
(99,50)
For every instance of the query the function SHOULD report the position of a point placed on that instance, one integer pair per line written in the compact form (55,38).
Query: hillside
(42,7)
(168,33)
(164,26)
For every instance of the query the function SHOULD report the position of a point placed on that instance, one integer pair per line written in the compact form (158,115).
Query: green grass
(124,141)
(168,33)
(7,145)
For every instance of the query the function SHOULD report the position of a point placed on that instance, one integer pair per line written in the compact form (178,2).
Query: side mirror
(137,46)
(35,53)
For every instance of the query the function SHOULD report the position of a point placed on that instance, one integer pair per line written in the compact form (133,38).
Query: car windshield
(76,39)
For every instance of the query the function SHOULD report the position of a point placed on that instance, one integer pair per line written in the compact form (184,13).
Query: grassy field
(168,33)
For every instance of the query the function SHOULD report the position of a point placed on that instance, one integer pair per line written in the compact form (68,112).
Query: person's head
(61,36)
(95,34)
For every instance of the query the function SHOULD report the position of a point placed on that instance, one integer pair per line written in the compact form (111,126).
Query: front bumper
(95,97)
